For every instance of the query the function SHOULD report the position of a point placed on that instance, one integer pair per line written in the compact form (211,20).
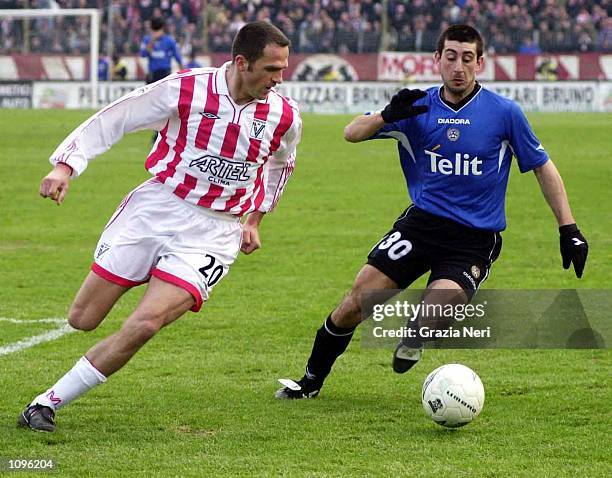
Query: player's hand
(250,238)
(574,248)
(401,105)
(55,184)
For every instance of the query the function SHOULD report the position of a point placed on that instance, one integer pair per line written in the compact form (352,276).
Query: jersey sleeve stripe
(256,185)
(161,150)
(184,109)
(261,192)
(283,126)
(235,199)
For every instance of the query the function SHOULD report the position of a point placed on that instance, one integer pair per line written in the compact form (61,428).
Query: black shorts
(157,75)
(420,242)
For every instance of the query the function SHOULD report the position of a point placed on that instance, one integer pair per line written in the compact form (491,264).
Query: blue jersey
(457,163)
(160,57)
(103,69)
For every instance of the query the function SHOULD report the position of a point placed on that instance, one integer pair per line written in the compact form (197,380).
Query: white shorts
(155,233)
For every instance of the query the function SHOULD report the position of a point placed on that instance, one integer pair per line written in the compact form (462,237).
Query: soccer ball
(453,395)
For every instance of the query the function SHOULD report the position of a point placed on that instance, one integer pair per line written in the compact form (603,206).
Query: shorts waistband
(216,214)
(199,209)
(415,210)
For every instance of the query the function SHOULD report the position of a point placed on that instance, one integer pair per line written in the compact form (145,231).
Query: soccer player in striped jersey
(225,150)
(455,144)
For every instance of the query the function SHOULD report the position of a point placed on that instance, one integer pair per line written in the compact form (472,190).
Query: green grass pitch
(198,399)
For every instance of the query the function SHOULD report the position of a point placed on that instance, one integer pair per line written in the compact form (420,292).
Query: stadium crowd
(324,26)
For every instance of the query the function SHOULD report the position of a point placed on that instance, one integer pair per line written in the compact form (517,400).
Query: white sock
(80,379)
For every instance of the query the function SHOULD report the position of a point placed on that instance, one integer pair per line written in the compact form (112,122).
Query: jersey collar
(221,87)
(456,107)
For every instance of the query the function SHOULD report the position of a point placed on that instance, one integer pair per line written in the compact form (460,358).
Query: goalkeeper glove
(574,248)
(400,106)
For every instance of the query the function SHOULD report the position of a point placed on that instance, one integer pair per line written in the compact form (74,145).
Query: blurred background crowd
(318,26)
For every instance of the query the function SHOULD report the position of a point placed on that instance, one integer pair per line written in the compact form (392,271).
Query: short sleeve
(527,149)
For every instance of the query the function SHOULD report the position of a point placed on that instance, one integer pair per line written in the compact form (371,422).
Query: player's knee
(80,319)
(143,327)
(349,312)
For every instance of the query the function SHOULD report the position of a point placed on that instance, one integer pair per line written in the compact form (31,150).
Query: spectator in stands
(326,26)
(604,39)
(159,48)
(529,46)
(119,71)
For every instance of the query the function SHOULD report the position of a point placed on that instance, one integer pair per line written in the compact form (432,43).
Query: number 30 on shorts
(212,271)
(396,248)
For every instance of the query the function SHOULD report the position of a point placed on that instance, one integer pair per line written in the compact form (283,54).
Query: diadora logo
(221,170)
(257,129)
(463,165)
(453,121)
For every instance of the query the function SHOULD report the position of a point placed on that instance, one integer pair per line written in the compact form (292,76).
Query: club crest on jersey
(475,270)
(452,134)
(257,129)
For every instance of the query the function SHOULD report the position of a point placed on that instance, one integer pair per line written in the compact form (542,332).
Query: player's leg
(439,292)
(395,262)
(458,270)
(95,299)
(127,250)
(121,261)
(332,339)
(162,304)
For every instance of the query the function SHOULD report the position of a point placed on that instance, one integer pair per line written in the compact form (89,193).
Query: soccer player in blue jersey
(159,48)
(455,145)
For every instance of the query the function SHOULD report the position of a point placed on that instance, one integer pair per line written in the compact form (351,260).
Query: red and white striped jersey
(209,150)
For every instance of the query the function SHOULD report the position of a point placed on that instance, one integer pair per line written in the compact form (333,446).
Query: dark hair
(157,23)
(464,34)
(252,38)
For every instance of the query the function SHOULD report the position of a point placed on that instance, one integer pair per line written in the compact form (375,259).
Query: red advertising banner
(384,66)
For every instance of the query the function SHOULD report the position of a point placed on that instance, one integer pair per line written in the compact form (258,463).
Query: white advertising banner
(357,97)
(354,97)
(77,95)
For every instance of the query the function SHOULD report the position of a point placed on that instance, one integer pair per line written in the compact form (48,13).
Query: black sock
(330,342)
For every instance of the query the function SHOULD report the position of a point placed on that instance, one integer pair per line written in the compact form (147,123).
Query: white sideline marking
(35,321)
(28,342)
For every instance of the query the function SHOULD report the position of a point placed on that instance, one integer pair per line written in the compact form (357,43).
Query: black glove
(401,107)
(574,248)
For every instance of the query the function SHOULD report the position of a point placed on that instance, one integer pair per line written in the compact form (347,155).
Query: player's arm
(177,55)
(148,107)
(573,245)
(554,192)
(280,166)
(250,232)
(400,107)
(146,46)
(55,184)
(363,127)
